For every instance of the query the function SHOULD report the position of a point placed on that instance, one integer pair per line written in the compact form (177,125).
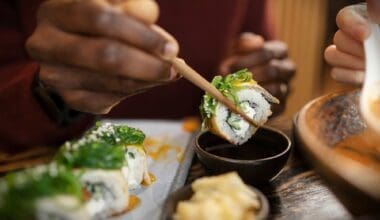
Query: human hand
(346,55)
(95,53)
(268,61)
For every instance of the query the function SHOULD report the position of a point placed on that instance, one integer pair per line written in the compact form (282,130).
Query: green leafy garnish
(97,155)
(20,190)
(115,134)
(234,122)
(102,147)
(228,86)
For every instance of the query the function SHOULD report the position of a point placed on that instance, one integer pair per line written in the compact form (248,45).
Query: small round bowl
(186,192)
(257,161)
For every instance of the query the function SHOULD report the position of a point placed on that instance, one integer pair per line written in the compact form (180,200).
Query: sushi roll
(97,166)
(43,192)
(109,160)
(61,207)
(107,192)
(135,169)
(248,96)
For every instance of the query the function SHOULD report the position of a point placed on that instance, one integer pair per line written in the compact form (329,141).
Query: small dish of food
(217,197)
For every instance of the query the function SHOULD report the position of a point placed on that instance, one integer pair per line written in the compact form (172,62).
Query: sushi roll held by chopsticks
(248,96)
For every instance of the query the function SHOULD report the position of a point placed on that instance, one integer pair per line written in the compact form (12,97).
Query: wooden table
(298,192)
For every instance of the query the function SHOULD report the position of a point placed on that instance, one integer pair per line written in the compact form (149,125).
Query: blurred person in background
(84,58)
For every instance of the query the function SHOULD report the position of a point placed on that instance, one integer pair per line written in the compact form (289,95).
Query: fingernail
(247,35)
(283,88)
(249,41)
(361,31)
(170,50)
(359,77)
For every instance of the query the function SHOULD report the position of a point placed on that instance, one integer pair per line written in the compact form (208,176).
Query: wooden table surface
(298,192)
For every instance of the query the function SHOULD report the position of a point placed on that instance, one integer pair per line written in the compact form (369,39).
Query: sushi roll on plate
(107,192)
(43,192)
(97,166)
(89,178)
(135,169)
(60,207)
(248,96)
(109,161)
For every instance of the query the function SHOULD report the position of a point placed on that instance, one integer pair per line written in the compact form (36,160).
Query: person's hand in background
(95,53)
(346,55)
(268,61)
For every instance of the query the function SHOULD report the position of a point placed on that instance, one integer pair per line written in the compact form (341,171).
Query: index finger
(352,20)
(279,49)
(246,61)
(100,19)
(271,50)
(249,42)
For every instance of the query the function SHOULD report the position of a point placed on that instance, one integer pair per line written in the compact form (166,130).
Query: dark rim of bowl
(199,148)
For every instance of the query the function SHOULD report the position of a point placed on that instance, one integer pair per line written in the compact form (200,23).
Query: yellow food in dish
(219,197)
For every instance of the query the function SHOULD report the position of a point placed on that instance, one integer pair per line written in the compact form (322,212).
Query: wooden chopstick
(190,74)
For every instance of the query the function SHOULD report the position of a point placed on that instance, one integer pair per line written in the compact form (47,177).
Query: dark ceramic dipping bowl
(186,192)
(257,161)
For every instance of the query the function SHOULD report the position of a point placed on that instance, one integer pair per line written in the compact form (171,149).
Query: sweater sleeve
(258,19)
(24,123)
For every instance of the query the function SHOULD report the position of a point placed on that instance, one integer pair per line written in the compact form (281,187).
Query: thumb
(249,42)
(146,11)
(174,49)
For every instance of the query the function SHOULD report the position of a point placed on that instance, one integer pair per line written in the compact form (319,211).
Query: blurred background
(308,26)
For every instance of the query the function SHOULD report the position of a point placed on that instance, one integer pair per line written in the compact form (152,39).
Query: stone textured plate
(322,123)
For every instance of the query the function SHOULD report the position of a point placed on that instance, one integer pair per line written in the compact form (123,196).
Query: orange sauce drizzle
(152,178)
(158,150)
(134,201)
(149,141)
(86,194)
(191,124)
